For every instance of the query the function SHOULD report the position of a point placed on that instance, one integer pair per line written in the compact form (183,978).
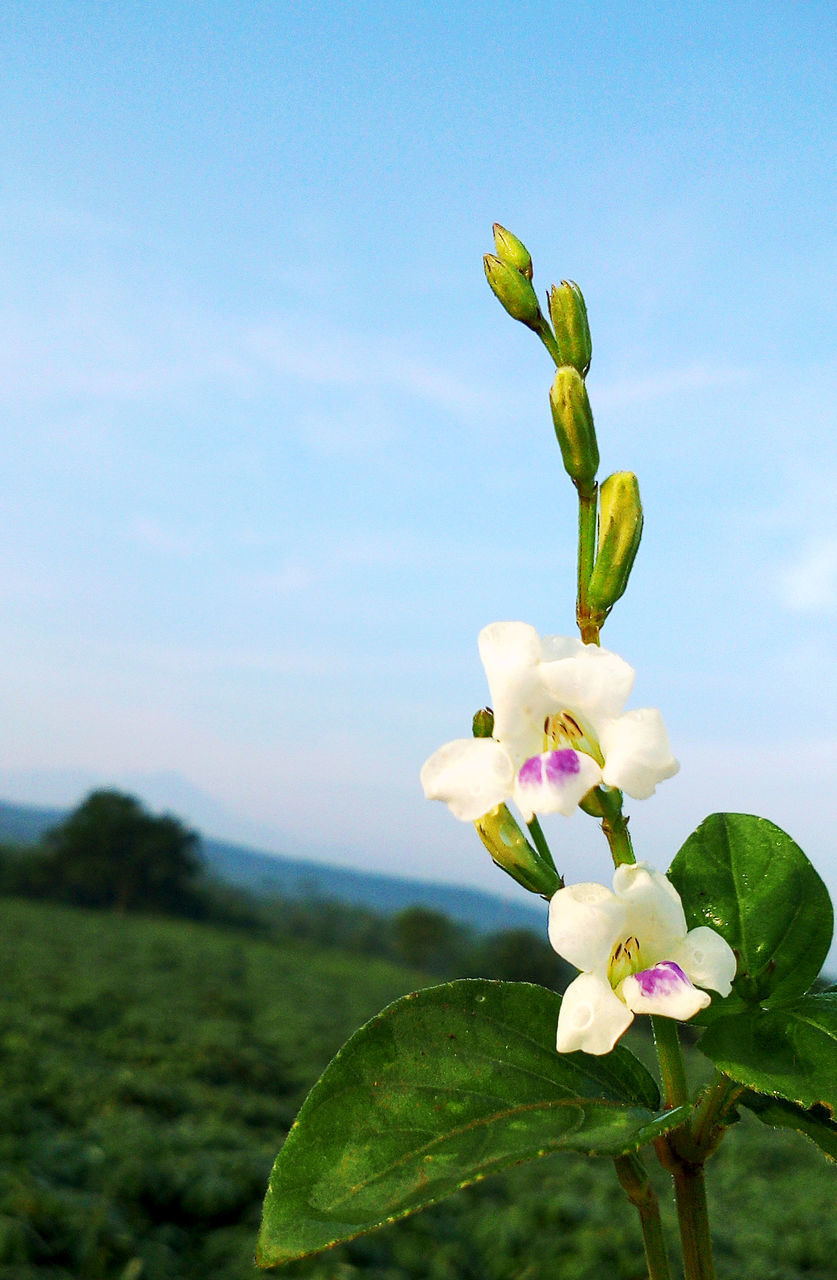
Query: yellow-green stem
(619,839)
(637,1187)
(539,841)
(547,337)
(588,624)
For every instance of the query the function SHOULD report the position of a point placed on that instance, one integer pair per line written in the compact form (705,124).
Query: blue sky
(275,454)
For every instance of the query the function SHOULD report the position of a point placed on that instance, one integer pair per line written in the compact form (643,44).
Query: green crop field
(150,1069)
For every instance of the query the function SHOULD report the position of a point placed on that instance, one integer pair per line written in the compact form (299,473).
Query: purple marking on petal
(662,979)
(553,767)
(531,771)
(562,764)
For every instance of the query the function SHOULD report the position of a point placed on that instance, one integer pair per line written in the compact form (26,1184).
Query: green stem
(707,1119)
(606,803)
(618,837)
(670,1058)
(547,337)
(588,505)
(637,1187)
(539,841)
(676,1151)
(693,1216)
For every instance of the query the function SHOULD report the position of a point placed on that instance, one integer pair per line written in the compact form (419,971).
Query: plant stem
(670,1058)
(588,506)
(689,1186)
(547,337)
(542,847)
(618,837)
(692,1214)
(637,1187)
(606,803)
(708,1115)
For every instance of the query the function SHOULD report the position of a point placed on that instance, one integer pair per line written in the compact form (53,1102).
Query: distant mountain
(22,824)
(268,875)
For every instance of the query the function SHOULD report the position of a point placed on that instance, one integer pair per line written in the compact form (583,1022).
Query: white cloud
(668,382)
(99,341)
(358,360)
(161,537)
(288,579)
(808,582)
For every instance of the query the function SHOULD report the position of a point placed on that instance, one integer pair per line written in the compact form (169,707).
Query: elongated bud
(483,723)
(514,290)
(620,530)
(568,312)
(512,251)
(510,849)
(573,419)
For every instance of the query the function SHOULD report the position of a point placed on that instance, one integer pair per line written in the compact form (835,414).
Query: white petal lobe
(542,788)
(637,752)
(592,1017)
(665,990)
(471,775)
(585,920)
(653,906)
(707,958)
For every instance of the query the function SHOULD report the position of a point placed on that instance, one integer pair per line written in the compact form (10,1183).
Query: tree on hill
(519,955)
(425,939)
(111,852)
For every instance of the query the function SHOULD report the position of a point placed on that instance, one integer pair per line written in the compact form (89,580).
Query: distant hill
(21,824)
(269,875)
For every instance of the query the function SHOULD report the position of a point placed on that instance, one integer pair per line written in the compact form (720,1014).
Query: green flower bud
(568,313)
(602,802)
(514,290)
(512,251)
(620,529)
(483,723)
(511,851)
(573,419)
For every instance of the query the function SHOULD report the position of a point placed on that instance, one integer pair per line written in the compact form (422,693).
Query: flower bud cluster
(611,554)
(509,273)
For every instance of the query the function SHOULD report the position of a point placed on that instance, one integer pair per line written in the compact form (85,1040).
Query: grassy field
(150,1069)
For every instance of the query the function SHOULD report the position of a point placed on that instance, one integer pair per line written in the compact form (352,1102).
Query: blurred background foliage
(151,1066)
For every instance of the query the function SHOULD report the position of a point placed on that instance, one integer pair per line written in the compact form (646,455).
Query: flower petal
(592,681)
(471,775)
(665,989)
(585,920)
(707,958)
(508,646)
(554,782)
(653,909)
(637,752)
(555,648)
(511,653)
(592,1017)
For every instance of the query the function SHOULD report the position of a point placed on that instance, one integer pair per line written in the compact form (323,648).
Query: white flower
(635,956)
(559,730)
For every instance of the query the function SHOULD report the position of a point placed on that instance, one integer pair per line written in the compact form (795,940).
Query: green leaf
(788,1052)
(815,1122)
(444,1087)
(746,878)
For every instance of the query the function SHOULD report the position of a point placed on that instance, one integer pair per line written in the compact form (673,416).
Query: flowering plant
(636,956)
(464,1079)
(559,730)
